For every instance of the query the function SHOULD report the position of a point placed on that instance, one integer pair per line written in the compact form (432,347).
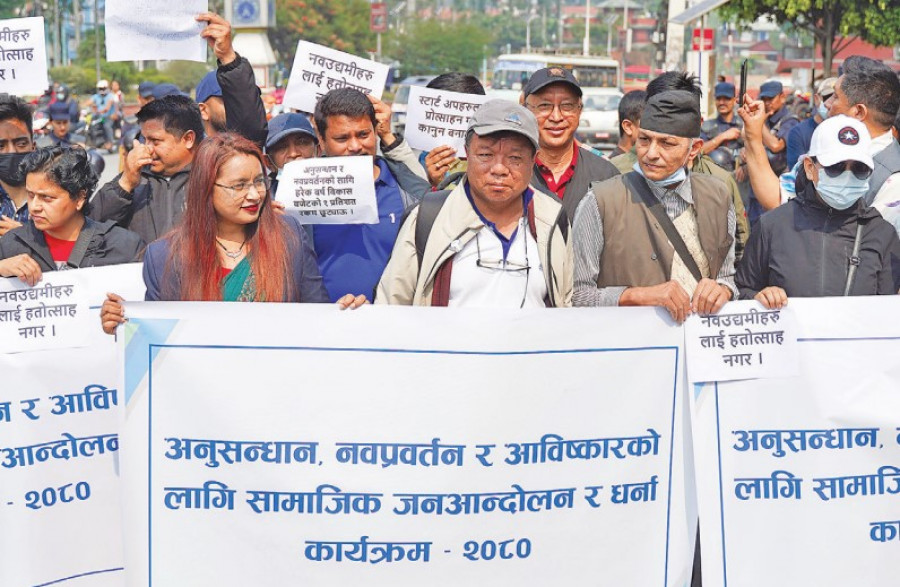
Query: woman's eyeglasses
(860,170)
(242,189)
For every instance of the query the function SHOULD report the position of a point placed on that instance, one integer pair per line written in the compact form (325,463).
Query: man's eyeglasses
(242,189)
(860,170)
(506,266)
(546,108)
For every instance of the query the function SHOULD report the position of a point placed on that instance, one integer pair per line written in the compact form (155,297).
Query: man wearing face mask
(825,241)
(659,235)
(801,135)
(15,143)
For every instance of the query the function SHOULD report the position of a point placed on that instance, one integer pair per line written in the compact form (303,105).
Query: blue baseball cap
(724,90)
(770,90)
(145,89)
(58,111)
(208,87)
(163,90)
(286,124)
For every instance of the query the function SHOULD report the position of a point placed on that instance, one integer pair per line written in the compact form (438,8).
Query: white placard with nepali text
(51,315)
(60,507)
(438,117)
(151,30)
(742,341)
(330,190)
(799,477)
(317,70)
(23,56)
(358,448)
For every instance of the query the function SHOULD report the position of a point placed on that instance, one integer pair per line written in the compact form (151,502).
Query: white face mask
(842,191)
(678,176)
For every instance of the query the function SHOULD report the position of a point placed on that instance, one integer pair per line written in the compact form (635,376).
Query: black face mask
(9,169)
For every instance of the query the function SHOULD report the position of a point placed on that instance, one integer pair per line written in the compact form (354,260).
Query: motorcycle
(94,136)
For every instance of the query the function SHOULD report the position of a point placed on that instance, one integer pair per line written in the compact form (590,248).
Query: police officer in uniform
(722,135)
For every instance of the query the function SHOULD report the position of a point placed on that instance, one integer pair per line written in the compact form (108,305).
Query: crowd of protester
(685,215)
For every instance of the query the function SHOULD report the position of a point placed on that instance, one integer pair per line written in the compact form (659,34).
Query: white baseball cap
(841,138)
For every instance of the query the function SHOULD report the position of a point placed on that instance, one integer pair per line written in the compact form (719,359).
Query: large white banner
(274,444)
(60,509)
(799,477)
(23,50)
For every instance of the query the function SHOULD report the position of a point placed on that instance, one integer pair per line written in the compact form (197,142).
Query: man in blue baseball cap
(291,137)
(233,83)
(60,125)
(212,106)
(145,93)
(721,135)
(778,126)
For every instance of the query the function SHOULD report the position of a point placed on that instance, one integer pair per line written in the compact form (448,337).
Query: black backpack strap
(81,246)
(638,185)
(429,207)
(853,262)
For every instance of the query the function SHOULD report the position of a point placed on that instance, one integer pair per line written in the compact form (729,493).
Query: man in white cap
(825,241)
(492,241)
(103,104)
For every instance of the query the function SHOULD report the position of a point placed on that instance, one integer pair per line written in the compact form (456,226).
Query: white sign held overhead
(317,70)
(438,117)
(154,29)
(23,56)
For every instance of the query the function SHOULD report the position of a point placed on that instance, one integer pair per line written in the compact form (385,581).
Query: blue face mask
(679,176)
(842,191)
(823,111)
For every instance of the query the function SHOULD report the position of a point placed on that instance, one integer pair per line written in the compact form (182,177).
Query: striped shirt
(587,235)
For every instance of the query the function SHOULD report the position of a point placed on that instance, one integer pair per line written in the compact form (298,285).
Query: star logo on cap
(513,118)
(848,136)
(556,72)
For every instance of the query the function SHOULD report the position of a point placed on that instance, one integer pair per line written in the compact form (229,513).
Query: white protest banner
(151,30)
(287,441)
(330,190)
(438,117)
(318,70)
(23,52)
(51,315)
(742,341)
(60,508)
(799,477)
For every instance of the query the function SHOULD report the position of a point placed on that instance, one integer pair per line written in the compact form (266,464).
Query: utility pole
(586,49)
(97,38)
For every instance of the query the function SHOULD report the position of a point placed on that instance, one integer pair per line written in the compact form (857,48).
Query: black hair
(873,84)
(178,114)
(630,107)
(456,81)
(675,80)
(13,107)
(68,167)
(343,102)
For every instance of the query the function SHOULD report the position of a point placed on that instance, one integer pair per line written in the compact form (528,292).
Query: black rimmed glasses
(544,109)
(242,189)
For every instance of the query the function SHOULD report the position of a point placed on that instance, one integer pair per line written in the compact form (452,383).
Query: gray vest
(887,163)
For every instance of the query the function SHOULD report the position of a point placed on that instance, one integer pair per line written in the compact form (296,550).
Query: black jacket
(245,113)
(588,168)
(107,244)
(805,248)
(151,211)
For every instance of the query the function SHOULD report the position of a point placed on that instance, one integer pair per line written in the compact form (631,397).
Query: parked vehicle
(599,123)
(513,70)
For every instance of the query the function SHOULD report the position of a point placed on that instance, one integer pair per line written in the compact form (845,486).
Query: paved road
(111,170)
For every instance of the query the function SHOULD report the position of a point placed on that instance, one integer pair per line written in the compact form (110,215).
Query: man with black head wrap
(659,235)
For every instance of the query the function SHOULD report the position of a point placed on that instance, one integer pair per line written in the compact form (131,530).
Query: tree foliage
(833,23)
(435,47)
(340,25)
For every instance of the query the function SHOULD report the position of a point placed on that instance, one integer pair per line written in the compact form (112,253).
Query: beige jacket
(404,283)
